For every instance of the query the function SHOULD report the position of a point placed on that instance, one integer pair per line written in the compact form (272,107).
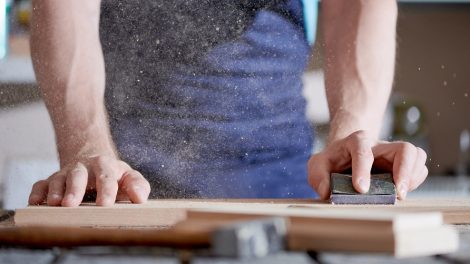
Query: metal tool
(382,190)
(248,239)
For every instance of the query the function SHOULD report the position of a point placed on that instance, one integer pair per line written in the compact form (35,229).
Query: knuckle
(103,177)
(77,171)
(102,160)
(422,153)
(314,180)
(124,165)
(360,134)
(406,147)
(58,181)
(39,184)
(55,176)
(363,151)
(315,159)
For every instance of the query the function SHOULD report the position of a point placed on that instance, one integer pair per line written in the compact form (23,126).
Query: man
(203,98)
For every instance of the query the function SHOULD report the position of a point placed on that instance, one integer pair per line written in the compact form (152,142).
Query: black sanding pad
(382,190)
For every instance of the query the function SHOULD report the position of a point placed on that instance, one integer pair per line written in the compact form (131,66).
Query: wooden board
(455,211)
(164,213)
(398,234)
(410,228)
(153,214)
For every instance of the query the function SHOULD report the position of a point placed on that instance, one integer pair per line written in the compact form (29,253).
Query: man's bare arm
(69,67)
(359,41)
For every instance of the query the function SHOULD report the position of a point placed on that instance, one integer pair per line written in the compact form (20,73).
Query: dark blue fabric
(227,121)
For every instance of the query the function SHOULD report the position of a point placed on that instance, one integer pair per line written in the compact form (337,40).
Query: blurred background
(430,104)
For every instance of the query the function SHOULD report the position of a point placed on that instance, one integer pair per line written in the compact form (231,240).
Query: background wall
(433,72)
(433,69)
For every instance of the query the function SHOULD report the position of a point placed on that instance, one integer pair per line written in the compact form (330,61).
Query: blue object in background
(310,12)
(4,8)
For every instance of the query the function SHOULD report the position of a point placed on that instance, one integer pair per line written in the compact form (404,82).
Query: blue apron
(204,97)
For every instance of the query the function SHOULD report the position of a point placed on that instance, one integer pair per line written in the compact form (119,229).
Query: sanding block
(382,190)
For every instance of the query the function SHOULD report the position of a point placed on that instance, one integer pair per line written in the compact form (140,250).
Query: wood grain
(409,228)
(165,213)
(398,234)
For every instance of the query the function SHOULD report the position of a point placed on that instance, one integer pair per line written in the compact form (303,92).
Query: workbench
(161,255)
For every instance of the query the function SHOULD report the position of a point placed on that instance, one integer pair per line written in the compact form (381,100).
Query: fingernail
(403,191)
(363,185)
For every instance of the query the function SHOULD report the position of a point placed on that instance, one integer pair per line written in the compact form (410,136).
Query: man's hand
(359,50)
(361,152)
(69,67)
(112,179)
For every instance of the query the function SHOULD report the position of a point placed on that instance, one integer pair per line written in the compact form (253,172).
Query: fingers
(104,174)
(319,175)
(107,176)
(408,165)
(56,188)
(38,192)
(419,179)
(403,165)
(136,186)
(420,171)
(362,158)
(355,151)
(122,196)
(361,152)
(76,184)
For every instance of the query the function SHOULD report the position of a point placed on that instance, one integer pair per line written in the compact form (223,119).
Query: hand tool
(382,190)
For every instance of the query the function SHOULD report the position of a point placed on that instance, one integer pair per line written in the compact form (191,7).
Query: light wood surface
(399,234)
(164,213)
(409,228)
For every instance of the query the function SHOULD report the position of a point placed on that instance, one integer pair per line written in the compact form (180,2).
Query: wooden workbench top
(168,212)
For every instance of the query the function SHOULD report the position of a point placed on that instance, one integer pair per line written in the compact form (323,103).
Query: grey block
(362,199)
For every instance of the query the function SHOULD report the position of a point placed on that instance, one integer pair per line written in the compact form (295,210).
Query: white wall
(27,150)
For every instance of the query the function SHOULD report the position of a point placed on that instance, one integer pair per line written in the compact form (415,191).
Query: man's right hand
(69,68)
(112,179)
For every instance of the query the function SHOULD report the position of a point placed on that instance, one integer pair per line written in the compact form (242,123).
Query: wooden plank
(153,214)
(455,211)
(399,234)
(164,213)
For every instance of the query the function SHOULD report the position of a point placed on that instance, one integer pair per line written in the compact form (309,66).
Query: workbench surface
(102,255)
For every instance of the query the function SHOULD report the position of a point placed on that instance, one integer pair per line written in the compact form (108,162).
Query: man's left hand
(360,152)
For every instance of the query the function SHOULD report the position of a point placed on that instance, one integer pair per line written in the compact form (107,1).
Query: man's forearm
(359,41)
(69,68)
